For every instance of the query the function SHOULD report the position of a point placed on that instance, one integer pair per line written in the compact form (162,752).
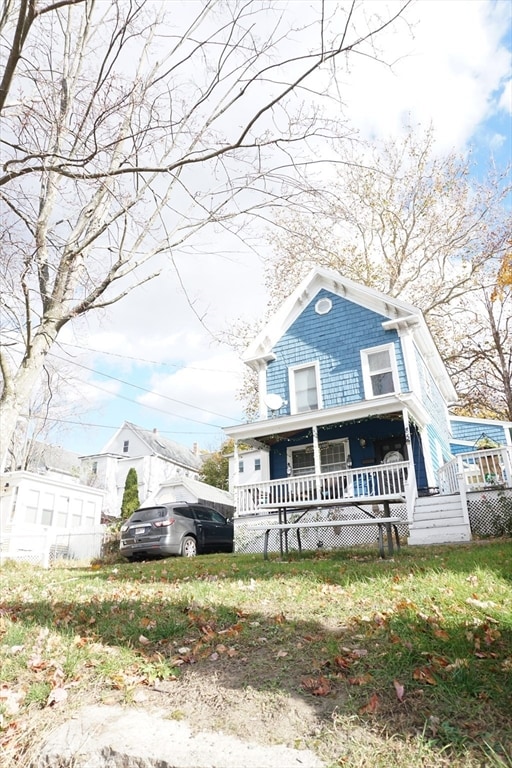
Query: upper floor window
(380,376)
(125,446)
(305,388)
(241,466)
(257,464)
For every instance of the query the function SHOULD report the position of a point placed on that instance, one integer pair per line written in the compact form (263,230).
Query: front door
(390,450)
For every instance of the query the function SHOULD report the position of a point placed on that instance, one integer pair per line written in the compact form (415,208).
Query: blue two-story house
(354,408)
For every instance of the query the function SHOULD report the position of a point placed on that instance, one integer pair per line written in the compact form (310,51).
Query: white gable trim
(318,279)
(399,315)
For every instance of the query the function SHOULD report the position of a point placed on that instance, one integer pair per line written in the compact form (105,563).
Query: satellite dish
(273,402)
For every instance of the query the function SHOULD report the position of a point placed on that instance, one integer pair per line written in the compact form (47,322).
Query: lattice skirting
(250,541)
(490,512)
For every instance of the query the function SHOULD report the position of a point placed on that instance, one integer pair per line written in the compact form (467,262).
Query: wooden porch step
(442,535)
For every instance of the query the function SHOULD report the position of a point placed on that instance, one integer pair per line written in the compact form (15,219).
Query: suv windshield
(145,515)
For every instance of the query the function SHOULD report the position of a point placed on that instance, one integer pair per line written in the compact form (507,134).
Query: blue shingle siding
(470,431)
(335,340)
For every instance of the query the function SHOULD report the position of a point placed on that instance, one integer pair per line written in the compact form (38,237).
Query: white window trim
(367,382)
(291,384)
(309,446)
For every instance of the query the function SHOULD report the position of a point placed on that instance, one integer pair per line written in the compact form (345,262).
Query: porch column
(234,479)
(318,463)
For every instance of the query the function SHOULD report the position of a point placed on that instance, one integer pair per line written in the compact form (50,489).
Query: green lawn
(406,661)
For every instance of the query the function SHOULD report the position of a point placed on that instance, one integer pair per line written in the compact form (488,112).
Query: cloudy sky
(151,361)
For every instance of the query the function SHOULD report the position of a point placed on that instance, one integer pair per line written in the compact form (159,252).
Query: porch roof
(387,405)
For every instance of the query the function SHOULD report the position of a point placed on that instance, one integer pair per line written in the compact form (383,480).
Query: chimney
(195,449)
(155,431)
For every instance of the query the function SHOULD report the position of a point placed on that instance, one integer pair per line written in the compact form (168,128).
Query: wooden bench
(389,524)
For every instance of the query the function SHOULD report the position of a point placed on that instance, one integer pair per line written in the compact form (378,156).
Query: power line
(144,360)
(108,426)
(142,389)
(153,407)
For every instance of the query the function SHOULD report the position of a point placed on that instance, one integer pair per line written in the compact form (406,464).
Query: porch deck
(371,485)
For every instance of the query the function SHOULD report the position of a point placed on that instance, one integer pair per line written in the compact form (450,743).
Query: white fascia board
(428,350)
(124,425)
(380,406)
(319,279)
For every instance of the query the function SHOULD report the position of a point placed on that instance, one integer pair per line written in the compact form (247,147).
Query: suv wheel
(188,547)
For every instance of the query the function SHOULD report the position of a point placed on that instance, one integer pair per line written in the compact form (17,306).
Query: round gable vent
(323,306)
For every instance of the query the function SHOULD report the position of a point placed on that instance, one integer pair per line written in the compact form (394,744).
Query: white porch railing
(477,470)
(358,484)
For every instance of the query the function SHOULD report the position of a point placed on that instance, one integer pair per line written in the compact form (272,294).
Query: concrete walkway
(117,737)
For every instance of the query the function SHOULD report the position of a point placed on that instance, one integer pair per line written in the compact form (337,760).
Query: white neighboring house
(250,465)
(156,460)
(195,492)
(48,515)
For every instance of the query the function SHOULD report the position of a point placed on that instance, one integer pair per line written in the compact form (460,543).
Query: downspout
(411,490)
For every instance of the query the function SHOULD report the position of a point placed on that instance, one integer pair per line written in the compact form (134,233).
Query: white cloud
(210,383)
(446,74)
(453,71)
(505,101)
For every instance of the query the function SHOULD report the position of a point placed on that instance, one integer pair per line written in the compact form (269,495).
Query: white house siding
(249,474)
(36,509)
(136,446)
(155,459)
(100,472)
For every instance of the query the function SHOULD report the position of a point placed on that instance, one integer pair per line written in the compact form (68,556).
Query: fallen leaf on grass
(10,700)
(235,629)
(36,662)
(424,675)
(57,696)
(371,706)
(208,632)
(318,686)
(360,680)
(400,690)
(143,640)
(483,604)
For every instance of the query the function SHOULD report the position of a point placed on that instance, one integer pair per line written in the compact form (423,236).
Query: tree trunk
(18,387)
